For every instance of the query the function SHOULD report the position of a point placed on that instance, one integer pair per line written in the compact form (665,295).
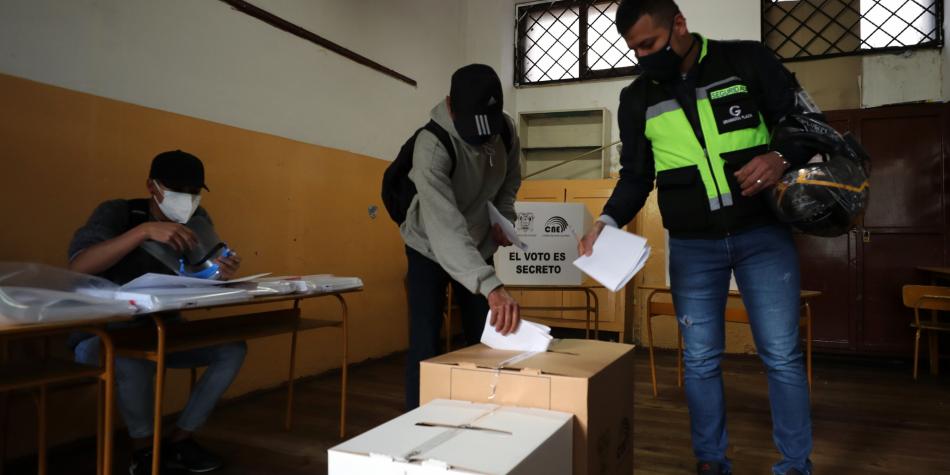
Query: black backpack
(398,189)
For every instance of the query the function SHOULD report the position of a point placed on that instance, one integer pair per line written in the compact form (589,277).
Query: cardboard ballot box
(591,379)
(549,230)
(446,437)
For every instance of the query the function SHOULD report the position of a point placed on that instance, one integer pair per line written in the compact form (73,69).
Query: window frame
(768,28)
(585,73)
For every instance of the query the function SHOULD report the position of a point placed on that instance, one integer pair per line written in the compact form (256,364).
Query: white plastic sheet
(36,293)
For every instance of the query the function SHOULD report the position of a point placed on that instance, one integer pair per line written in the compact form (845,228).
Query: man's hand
(505,311)
(585,246)
(760,173)
(499,236)
(229,265)
(178,236)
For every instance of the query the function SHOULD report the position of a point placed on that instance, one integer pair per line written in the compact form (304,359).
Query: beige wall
(287,207)
(206,60)
(945,59)
(834,84)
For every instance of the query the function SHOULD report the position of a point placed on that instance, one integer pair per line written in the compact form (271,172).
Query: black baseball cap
(178,170)
(477,101)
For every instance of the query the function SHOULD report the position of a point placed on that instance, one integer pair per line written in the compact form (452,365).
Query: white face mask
(176,206)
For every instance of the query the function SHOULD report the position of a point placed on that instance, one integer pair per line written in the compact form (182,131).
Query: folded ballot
(530,336)
(617,257)
(495,217)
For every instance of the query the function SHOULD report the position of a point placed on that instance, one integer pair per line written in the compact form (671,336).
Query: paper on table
(617,257)
(152,281)
(318,282)
(530,336)
(496,217)
(172,298)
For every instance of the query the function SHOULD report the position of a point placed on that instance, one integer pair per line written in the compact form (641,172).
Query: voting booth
(551,232)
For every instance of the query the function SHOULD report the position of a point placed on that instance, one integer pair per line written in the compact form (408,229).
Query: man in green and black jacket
(697,123)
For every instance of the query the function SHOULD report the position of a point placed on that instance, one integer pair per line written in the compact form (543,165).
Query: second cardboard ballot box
(457,437)
(591,379)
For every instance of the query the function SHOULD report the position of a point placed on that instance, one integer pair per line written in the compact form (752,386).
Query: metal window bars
(812,29)
(575,40)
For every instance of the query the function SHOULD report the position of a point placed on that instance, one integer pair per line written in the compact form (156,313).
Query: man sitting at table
(109,245)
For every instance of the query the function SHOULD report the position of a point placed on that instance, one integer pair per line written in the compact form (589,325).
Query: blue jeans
(765,264)
(135,388)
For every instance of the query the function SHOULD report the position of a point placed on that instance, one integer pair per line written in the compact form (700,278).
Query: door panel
(825,268)
(907,172)
(904,227)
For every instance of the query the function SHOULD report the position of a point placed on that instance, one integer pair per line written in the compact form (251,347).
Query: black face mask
(664,65)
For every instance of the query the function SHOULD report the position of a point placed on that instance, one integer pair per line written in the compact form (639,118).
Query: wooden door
(904,227)
(906,220)
(828,265)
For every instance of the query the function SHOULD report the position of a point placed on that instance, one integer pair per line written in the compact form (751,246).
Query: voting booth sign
(550,231)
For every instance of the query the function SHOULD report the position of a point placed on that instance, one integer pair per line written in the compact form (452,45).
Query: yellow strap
(831,184)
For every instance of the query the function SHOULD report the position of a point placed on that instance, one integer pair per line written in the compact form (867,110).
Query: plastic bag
(37,293)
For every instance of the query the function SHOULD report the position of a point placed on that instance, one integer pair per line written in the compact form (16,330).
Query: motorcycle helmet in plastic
(826,196)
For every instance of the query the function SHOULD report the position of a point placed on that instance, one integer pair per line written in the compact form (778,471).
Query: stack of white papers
(617,257)
(530,336)
(496,217)
(317,283)
(165,281)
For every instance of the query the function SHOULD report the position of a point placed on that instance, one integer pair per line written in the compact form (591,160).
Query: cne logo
(556,225)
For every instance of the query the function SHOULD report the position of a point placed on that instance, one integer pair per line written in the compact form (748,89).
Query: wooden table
(737,315)
(154,343)
(590,295)
(46,372)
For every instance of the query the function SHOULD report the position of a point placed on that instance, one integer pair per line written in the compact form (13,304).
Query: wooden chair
(49,372)
(734,314)
(933,298)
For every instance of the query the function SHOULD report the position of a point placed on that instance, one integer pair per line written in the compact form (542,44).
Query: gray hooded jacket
(448,219)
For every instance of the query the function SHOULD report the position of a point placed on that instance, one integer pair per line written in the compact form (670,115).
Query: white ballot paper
(617,257)
(497,218)
(530,336)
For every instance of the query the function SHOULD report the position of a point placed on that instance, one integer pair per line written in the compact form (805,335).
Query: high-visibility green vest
(730,122)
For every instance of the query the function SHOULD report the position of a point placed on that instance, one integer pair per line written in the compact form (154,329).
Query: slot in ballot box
(457,437)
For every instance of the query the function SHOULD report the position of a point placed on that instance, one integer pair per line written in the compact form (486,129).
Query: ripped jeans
(765,264)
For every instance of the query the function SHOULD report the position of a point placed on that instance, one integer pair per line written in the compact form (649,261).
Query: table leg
(934,345)
(808,336)
(41,431)
(587,313)
(344,368)
(288,420)
(159,393)
(100,426)
(650,350)
(596,314)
